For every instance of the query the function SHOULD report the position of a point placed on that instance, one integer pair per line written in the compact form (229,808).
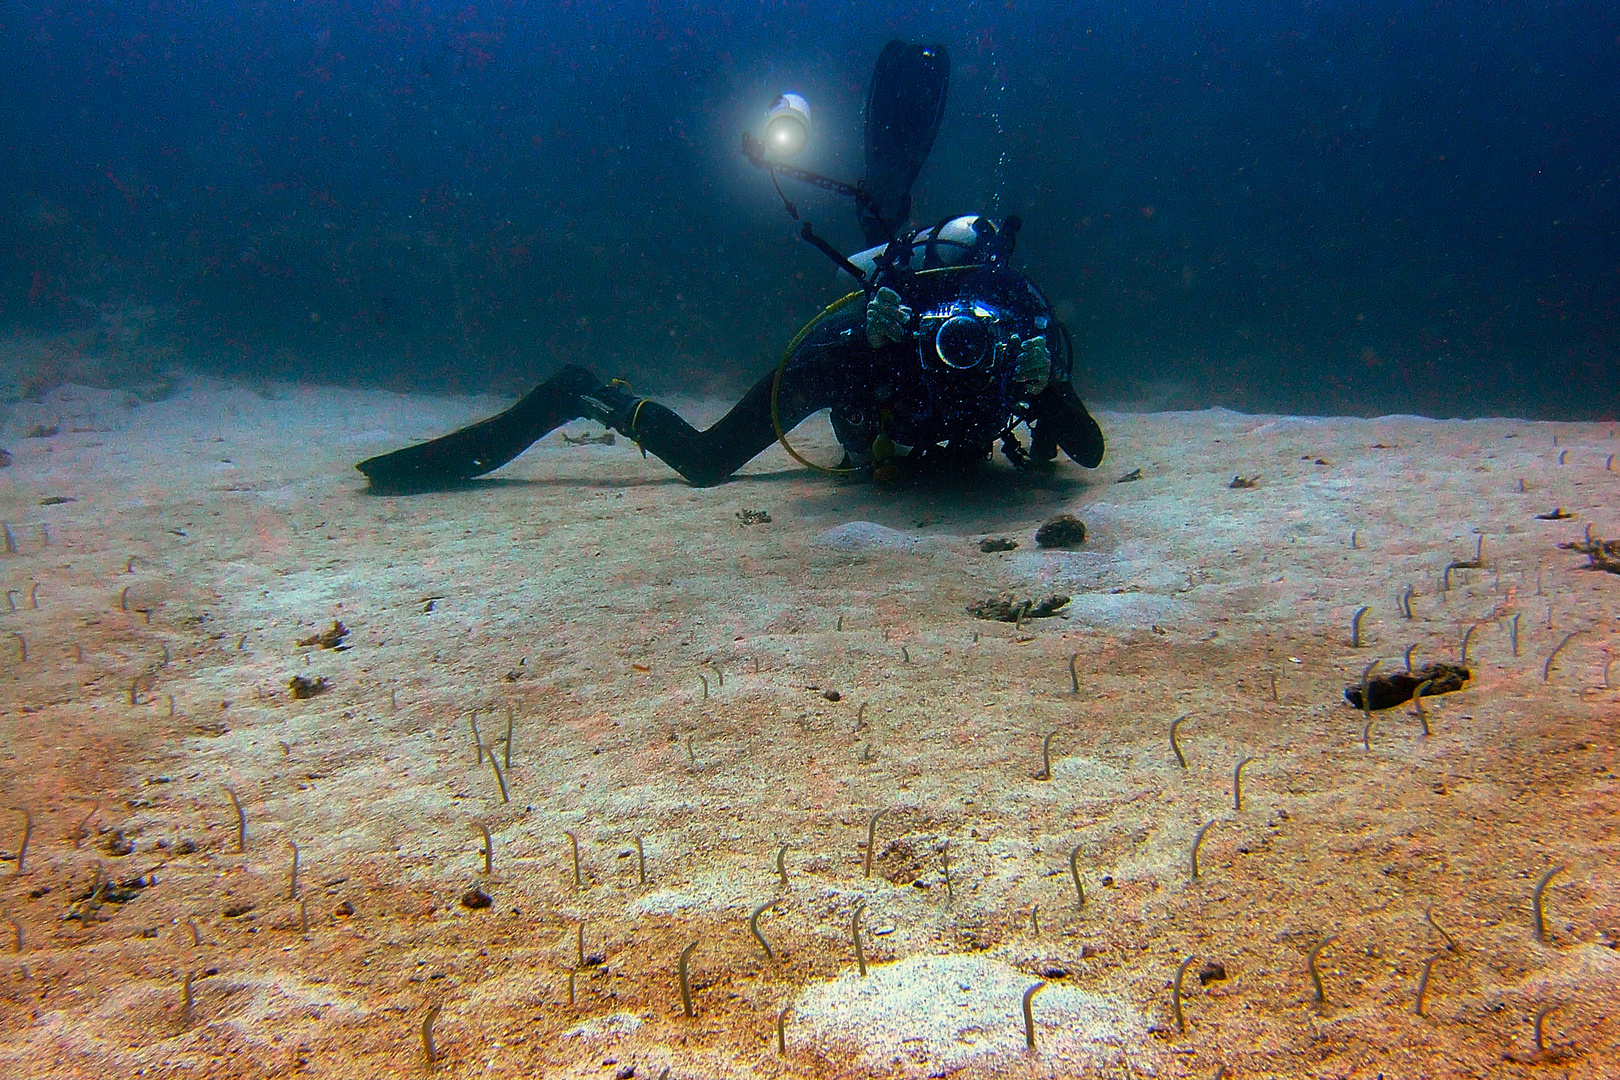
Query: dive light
(787,125)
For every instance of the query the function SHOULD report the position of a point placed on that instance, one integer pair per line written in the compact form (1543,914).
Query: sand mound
(929,1015)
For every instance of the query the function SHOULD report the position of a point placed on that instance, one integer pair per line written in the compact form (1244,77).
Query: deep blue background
(1325,207)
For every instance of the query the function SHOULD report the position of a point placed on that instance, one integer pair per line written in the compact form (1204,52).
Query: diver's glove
(1034,369)
(886,318)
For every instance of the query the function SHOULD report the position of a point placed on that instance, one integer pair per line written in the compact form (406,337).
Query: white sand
(588,589)
(928,1014)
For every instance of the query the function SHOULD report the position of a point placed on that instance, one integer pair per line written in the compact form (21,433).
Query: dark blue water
(1325,207)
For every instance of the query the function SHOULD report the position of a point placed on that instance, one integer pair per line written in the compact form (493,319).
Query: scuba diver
(942,351)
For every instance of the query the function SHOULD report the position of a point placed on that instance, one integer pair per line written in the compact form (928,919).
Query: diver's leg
(708,457)
(488,444)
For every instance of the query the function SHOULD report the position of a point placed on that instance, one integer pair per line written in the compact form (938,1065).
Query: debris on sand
(1006,609)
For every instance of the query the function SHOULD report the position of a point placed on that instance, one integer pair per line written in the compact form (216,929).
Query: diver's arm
(487,445)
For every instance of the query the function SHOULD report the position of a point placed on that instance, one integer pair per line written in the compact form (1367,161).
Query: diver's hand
(1034,364)
(886,318)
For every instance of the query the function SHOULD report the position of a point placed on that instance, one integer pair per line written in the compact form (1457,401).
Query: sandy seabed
(687,693)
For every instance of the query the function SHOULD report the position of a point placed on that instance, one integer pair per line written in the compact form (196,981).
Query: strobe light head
(787,126)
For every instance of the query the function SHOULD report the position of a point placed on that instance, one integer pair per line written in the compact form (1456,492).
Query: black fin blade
(904,106)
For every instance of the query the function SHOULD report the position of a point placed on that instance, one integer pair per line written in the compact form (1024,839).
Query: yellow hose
(776,387)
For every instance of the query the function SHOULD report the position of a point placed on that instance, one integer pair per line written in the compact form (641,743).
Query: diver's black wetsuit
(875,394)
(962,347)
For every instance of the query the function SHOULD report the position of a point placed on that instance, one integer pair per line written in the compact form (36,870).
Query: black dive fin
(487,445)
(1062,421)
(904,105)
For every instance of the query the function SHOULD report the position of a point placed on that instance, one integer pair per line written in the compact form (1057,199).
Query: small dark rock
(184,847)
(118,844)
(330,638)
(753,517)
(1052,971)
(1388,691)
(5,458)
(1241,482)
(996,543)
(625,1072)
(1130,477)
(1211,971)
(53,500)
(236,911)
(475,899)
(302,688)
(1065,531)
(345,908)
(832,695)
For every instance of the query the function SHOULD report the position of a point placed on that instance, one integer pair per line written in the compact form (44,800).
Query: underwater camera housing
(969,385)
